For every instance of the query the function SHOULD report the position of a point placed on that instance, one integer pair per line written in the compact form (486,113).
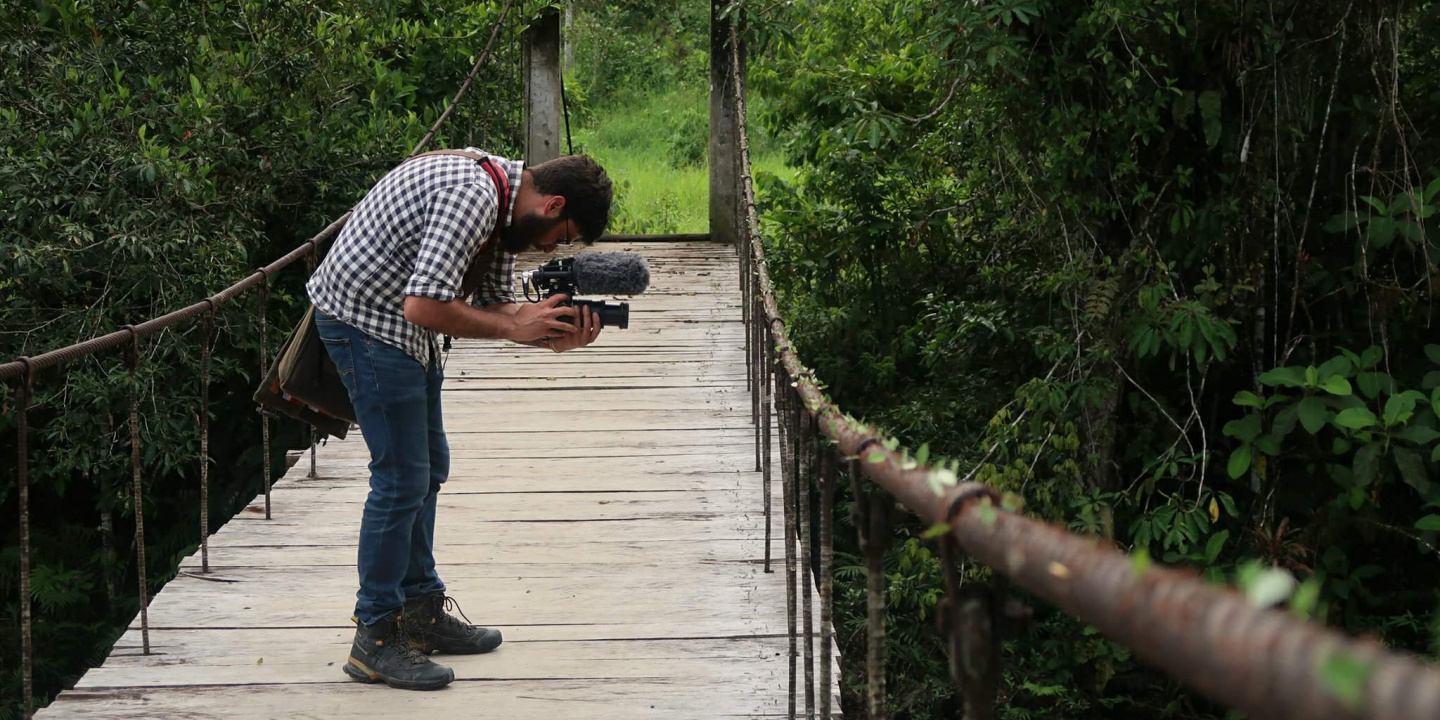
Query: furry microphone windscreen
(611,273)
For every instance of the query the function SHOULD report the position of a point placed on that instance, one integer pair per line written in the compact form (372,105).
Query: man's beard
(525,231)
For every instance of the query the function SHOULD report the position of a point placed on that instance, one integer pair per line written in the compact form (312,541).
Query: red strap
(502,185)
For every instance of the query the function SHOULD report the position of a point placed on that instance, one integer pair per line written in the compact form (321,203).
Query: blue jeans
(397,403)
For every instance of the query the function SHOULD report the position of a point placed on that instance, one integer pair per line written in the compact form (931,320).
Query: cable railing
(1262,662)
(22,371)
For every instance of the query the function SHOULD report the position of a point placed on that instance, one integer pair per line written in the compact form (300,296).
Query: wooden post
(542,88)
(565,34)
(724,144)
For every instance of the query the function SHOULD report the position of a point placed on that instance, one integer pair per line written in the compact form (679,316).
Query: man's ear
(554,206)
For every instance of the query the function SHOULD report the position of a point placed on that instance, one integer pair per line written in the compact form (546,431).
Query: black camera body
(559,277)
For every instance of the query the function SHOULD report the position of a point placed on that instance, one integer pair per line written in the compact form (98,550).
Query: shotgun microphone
(592,273)
(610,273)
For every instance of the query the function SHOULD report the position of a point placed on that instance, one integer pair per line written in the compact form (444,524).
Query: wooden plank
(598,698)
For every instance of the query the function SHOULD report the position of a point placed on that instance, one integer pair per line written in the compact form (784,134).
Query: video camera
(591,273)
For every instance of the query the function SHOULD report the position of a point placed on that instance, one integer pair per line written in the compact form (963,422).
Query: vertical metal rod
(264,368)
(827,587)
(787,472)
(767,408)
(311,261)
(876,538)
(24,391)
(808,444)
(747,278)
(208,330)
(132,363)
(758,363)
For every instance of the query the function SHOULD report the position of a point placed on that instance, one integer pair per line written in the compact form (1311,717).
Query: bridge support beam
(725,212)
(543,110)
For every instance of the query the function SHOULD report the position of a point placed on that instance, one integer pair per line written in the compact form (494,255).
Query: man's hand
(541,320)
(587,329)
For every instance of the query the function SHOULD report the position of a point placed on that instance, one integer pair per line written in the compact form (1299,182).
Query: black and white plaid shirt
(415,233)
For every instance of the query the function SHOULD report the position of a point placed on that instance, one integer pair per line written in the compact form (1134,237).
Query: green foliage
(1056,239)
(154,153)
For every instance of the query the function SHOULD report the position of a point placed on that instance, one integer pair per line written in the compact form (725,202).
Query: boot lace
(405,647)
(448,621)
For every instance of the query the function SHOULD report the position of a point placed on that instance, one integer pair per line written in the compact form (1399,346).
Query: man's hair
(585,187)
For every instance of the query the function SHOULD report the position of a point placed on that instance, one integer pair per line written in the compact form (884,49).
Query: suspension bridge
(637,518)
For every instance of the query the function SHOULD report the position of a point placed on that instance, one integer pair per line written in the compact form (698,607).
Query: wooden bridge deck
(602,509)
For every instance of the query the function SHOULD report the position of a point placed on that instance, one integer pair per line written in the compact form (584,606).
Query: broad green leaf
(1284,376)
(1356,418)
(1432,351)
(1367,462)
(1431,381)
(1370,357)
(1312,376)
(1374,383)
(1429,522)
(935,531)
(1245,398)
(1214,545)
(1418,434)
(1336,385)
(1284,422)
(1343,222)
(1245,429)
(1380,232)
(1268,445)
(1239,461)
(1412,470)
(1337,366)
(1399,408)
(1376,203)
(1313,414)
(922,456)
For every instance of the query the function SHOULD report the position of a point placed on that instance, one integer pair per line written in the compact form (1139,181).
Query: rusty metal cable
(1261,662)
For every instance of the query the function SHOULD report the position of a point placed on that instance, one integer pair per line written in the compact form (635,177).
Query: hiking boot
(432,629)
(382,653)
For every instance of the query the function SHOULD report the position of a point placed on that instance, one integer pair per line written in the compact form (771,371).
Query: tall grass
(653,146)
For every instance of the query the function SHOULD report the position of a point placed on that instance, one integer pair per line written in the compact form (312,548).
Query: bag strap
(487,163)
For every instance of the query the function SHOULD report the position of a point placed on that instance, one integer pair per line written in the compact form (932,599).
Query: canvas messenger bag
(303,382)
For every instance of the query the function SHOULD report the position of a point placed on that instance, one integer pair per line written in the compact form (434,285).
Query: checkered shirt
(415,233)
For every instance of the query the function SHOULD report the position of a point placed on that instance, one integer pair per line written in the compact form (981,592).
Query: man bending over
(429,235)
